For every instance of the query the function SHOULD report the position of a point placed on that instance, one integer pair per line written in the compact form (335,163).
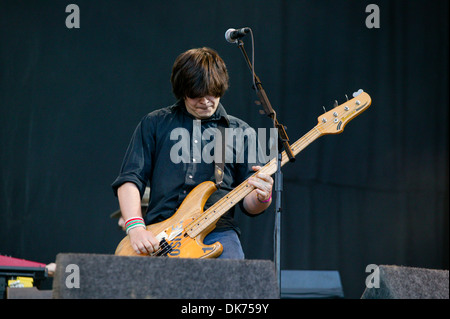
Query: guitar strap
(219,156)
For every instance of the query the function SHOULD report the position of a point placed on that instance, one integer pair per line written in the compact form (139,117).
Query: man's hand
(261,197)
(143,241)
(263,184)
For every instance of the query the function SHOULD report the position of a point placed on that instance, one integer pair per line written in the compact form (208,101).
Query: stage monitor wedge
(93,276)
(398,282)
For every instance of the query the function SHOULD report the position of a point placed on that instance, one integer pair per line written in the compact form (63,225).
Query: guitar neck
(212,214)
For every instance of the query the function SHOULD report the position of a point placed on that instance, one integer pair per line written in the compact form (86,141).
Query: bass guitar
(182,234)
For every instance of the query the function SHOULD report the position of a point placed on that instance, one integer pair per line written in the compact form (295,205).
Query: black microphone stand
(283,142)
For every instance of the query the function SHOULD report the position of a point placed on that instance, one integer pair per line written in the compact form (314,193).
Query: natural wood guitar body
(182,245)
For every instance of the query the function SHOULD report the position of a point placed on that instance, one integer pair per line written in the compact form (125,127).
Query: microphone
(232,35)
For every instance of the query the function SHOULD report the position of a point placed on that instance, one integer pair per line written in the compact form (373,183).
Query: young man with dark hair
(199,79)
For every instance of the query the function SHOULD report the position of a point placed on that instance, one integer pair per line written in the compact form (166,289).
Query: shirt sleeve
(137,162)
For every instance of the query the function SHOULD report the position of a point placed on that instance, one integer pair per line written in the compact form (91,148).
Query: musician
(199,79)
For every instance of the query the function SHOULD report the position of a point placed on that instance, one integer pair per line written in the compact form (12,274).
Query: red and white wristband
(134,222)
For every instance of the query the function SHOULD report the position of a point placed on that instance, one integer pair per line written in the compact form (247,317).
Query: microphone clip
(233,35)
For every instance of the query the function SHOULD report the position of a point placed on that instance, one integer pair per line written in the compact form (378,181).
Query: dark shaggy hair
(198,73)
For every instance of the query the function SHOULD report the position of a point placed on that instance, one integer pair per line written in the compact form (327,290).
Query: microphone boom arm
(270,112)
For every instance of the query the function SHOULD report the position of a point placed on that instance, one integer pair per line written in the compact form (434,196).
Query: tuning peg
(324,110)
(355,94)
(346,96)
(336,103)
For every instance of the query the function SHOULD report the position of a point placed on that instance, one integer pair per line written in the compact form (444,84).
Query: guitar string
(163,250)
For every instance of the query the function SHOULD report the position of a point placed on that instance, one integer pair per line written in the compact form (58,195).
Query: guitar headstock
(334,121)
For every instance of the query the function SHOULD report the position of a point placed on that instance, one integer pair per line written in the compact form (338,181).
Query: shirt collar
(219,115)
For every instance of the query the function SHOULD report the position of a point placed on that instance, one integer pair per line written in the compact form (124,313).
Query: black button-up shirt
(148,161)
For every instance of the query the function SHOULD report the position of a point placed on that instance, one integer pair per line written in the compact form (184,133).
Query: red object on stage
(17,262)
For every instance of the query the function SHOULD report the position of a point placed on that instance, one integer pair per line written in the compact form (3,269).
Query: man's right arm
(142,241)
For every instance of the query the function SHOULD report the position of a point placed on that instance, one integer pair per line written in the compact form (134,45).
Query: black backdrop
(375,194)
